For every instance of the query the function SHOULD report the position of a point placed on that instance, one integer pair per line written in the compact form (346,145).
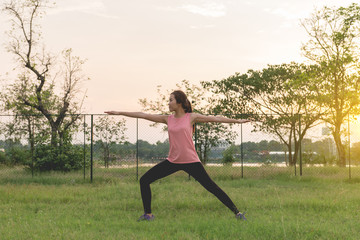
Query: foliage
(150,151)
(109,132)
(44,158)
(18,156)
(3,158)
(355,154)
(44,95)
(228,154)
(276,98)
(319,152)
(38,88)
(333,45)
(125,152)
(65,158)
(14,153)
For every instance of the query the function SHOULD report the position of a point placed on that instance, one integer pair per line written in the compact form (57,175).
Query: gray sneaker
(241,216)
(146,217)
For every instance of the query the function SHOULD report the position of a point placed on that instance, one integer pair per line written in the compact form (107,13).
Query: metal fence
(115,148)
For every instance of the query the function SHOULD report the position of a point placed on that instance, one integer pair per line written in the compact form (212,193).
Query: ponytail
(187,107)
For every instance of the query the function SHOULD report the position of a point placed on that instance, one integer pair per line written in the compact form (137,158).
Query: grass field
(278,206)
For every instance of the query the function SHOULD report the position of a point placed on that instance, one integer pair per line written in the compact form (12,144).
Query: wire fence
(104,147)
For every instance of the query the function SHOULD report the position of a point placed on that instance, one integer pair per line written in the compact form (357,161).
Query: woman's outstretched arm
(198,118)
(151,117)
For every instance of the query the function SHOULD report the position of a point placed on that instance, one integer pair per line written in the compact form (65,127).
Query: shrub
(228,158)
(228,155)
(16,156)
(3,158)
(65,158)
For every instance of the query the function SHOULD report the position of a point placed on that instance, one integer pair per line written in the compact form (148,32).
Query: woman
(182,153)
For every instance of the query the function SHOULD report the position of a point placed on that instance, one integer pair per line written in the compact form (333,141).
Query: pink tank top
(182,149)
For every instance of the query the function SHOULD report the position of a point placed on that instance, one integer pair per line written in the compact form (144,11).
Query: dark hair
(181,98)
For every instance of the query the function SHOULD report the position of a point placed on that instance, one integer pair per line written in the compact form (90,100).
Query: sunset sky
(133,46)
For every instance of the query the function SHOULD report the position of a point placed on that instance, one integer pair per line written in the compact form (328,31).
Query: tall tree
(276,98)
(108,133)
(334,46)
(207,135)
(53,98)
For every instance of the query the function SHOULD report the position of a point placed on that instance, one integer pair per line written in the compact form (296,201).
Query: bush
(310,158)
(228,158)
(15,156)
(18,156)
(65,158)
(228,155)
(3,158)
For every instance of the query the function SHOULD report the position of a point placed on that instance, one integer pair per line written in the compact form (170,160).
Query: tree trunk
(54,137)
(296,152)
(339,147)
(289,145)
(31,142)
(291,158)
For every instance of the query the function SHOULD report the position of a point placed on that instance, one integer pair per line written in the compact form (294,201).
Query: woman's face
(173,105)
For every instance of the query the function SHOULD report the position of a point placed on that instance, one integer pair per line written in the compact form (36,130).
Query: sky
(131,47)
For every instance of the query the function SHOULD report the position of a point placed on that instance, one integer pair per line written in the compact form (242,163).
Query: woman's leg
(197,171)
(161,170)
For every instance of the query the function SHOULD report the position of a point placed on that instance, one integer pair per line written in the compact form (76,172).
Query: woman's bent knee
(143,180)
(146,180)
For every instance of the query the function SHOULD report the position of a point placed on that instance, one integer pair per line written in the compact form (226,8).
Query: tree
(36,87)
(276,98)
(334,47)
(26,123)
(109,133)
(207,135)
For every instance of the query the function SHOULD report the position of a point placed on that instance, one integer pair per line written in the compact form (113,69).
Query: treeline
(127,152)
(319,152)
(267,152)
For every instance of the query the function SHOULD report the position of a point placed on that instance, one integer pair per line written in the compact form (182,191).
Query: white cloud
(92,7)
(205,8)
(208,9)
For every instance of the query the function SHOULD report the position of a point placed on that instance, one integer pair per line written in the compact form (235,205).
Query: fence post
(300,143)
(196,145)
(349,145)
(32,149)
(241,150)
(294,166)
(84,144)
(91,148)
(137,149)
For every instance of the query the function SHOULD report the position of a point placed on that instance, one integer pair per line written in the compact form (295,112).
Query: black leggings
(196,170)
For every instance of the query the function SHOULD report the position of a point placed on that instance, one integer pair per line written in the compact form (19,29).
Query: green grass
(278,206)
